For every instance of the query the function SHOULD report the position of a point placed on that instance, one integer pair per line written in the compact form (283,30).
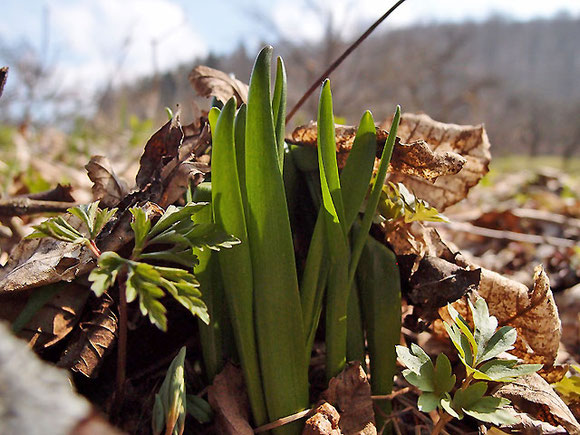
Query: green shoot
(170,402)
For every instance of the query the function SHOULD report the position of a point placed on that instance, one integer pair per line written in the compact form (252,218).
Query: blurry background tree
(521,78)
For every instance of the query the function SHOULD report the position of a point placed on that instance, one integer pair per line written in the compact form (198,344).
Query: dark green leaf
(211,236)
(444,378)
(177,254)
(465,398)
(199,409)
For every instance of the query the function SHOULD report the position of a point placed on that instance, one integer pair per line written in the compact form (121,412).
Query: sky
(92,42)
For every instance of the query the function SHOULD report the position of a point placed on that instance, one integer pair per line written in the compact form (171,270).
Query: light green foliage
(434,381)
(170,403)
(398,203)
(93,217)
(178,235)
(478,349)
(171,239)
(59,228)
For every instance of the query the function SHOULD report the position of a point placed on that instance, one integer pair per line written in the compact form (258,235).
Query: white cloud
(100,39)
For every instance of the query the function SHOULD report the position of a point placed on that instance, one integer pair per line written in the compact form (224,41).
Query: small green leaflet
(434,381)
(397,202)
(104,275)
(58,228)
(170,402)
(94,218)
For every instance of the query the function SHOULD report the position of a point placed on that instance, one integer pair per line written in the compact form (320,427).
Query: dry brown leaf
(53,321)
(350,394)
(38,262)
(186,174)
(438,282)
(159,150)
(325,421)
(416,239)
(107,187)
(92,341)
(228,398)
(533,395)
(532,312)
(568,303)
(209,82)
(412,159)
(470,142)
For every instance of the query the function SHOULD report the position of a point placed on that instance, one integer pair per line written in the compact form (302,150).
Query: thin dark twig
(122,343)
(340,59)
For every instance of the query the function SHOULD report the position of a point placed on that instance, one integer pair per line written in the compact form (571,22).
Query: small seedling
(398,204)
(478,350)
(170,403)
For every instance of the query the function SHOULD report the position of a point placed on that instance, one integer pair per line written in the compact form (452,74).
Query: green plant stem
(444,418)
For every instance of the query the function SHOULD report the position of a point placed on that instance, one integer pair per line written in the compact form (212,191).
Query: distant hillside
(522,79)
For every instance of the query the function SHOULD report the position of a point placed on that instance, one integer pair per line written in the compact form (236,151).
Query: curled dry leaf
(533,395)
(325,421)
(53,320)
(471,142)
(209,82)
(159,150)
(438,282)
(186,174)
(350,394)
(413,159)
(228,398)
(37,262)
(532,312)
(107,187)
(91,342)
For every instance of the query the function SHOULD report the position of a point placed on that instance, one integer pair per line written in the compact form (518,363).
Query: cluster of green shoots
(478,349)
(253,295)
